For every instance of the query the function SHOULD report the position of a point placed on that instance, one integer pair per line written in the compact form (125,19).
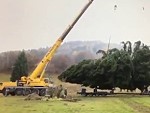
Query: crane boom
(47,58)
(35,82)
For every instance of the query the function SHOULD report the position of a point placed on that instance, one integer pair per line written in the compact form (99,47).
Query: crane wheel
(42,92)
(12,94)
(5,92)
(26,92)
(19,92)
(36,91)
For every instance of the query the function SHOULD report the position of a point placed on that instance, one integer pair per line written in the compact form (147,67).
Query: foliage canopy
(127,68)
(20,67)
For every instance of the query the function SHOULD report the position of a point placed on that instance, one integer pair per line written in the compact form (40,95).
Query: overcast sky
(27,24)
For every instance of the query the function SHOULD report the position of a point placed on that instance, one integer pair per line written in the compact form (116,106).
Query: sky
(31,24)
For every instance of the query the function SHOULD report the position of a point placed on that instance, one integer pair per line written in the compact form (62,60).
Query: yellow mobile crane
(36,82)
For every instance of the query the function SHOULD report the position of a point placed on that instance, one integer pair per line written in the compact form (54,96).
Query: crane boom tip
(91,0)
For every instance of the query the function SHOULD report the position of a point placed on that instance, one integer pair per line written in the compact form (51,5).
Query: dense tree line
(69,53)
(127,68)
(59,63)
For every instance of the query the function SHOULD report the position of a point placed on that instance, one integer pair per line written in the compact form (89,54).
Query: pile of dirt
(33,96)
(56,91)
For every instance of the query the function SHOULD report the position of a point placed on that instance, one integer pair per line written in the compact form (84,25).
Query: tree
(78,73)
(141,62)
(128,68)
(20,67)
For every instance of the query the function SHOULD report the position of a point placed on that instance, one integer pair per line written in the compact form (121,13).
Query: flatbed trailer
(83,92)
(94,93)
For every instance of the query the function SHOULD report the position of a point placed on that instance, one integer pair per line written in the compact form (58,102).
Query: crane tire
(26,92)
(42,92)
(5,92)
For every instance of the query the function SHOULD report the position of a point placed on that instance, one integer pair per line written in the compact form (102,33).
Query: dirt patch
(140,108)
(33,96)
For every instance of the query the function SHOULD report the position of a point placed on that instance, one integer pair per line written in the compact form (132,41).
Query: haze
(29,24)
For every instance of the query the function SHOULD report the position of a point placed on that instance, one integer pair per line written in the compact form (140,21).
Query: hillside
(69,53)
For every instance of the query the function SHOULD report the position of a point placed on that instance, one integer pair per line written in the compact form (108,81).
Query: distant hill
(91,46)
(69,53)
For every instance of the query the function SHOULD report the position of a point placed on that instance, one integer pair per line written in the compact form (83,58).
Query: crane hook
(115,7)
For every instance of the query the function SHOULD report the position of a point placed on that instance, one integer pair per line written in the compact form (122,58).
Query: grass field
(86,105)
(4,77)
(115,104)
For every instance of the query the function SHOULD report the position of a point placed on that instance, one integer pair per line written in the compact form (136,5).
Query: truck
(35,82)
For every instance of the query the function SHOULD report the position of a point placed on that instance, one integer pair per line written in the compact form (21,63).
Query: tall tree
(128,68)
(20,67)
(141,61)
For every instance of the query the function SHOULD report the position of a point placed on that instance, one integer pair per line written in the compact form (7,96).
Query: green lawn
(116,104)
(86,105)
(4,77)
